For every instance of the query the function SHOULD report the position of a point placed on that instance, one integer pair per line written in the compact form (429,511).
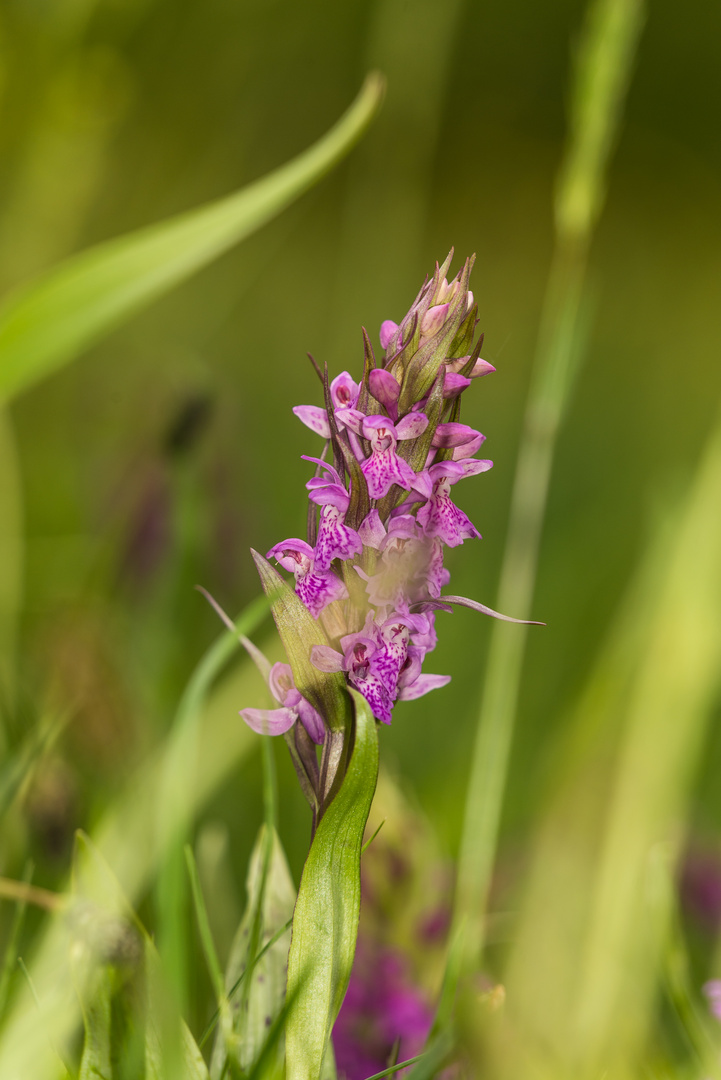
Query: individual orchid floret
(335,539)
(316,587)
(344,393)
(356,660)
(294,707)
(439,516)
(384,467)
(391,655)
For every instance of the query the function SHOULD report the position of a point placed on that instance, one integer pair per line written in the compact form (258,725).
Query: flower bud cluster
(381,512)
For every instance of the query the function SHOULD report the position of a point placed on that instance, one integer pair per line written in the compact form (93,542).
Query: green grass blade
(258,956)
(51,321)
(583,973)
(172,818)
(10,954)
(206,937)
(133,850)
(325,924)
(11,559)
(601,78)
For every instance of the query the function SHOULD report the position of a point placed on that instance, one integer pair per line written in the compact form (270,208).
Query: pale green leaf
(257,1002)
(96,1062)
(299,632)
(325,925)
(50,321)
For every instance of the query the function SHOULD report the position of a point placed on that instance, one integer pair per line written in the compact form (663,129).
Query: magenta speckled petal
(441,517)
(336,540)
(315,418)
(383,469)
(375,693)
(411,426)
(318,589)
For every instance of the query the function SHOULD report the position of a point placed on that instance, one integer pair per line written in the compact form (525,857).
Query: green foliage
(48,323)
(255,978)
(325,924)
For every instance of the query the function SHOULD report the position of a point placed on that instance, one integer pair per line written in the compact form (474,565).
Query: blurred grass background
(157,459)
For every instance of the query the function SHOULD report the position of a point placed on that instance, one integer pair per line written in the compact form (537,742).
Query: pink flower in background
(380,1008)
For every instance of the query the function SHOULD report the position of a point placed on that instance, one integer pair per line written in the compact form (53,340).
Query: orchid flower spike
(370,576)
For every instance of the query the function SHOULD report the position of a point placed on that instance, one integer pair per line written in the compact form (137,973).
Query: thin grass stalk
(602,74)
(11,561)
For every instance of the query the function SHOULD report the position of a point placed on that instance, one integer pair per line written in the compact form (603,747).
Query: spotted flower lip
(384,467)
(380,516)
(317,587)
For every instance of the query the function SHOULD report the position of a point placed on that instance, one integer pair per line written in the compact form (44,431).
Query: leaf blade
(47,323)
(325,924)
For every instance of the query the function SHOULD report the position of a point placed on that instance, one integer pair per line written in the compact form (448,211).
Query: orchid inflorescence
(370,572)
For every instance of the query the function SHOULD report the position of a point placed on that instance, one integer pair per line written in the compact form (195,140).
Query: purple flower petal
(468,449)
(441,517)
(344,391)
(473,466)
(294,555)
(423,685)
(318,588)
(383,469)
(453,434)
(454,384)
(269,721)
(326,659)
(371,530)
(411,426)
(312,721)
(388,329)
(336,540)
(375,693)
(315,418)
(329,495)
(385,389)
(281,685)
(350,418)
(332,472)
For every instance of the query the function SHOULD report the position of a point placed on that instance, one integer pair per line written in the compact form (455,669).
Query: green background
(155,461)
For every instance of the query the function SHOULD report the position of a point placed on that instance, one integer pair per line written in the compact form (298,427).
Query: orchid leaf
(325,925)
(299,632)
(49,322)
(271,897)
